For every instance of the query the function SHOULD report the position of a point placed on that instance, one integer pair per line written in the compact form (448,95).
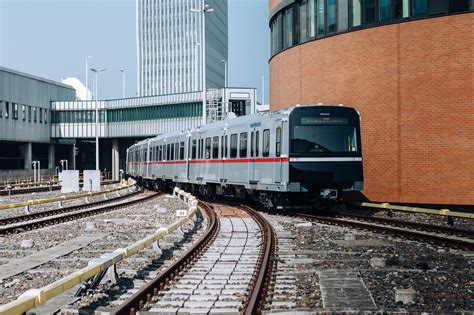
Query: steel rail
(259,291)
(48,213)
(30,225)
(404,233)
(45,187)
(137,301)
(417,225)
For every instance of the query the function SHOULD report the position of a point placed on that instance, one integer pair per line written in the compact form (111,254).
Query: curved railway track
(51,217)
(259,281)
(402,229)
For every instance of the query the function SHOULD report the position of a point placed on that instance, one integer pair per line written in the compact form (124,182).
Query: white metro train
(299,155)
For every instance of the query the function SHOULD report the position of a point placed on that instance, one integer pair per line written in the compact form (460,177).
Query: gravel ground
(53,205)
(119,229)
(443,280)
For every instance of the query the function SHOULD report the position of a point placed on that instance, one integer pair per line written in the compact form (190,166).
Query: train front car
(325,152)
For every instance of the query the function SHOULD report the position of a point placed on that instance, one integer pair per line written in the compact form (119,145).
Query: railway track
(402,229)
(228,268)
(44,188)
(51,217)
(410,224)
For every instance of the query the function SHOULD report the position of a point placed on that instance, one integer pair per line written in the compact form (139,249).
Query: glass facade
(118,115)
(169,46)
(306,20)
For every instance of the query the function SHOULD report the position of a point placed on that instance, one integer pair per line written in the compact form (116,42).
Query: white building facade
(169,51)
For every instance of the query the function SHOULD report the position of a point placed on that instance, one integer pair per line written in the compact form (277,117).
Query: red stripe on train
(256,160)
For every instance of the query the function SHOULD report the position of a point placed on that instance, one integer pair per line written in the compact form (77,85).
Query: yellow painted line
(442,212)
(62,198)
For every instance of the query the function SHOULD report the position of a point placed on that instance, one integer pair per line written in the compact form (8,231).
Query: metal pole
(123,82)
(74,157)
(203,43)
(96,124)
(87,76)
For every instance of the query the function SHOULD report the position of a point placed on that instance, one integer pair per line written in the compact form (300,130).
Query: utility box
(91,180)
(69,181)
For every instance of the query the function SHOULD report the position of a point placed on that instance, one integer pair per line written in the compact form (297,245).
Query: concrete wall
(23,174)
(413,84)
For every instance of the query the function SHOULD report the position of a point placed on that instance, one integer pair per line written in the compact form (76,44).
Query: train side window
(176,151)
(207,152)
(266,143)
(278,142)
(243,144)
(181,150)
(233,146)
(193,150)
(160,152)
(252,144)
(257,143)
(222,147)
(199,149)
(168,152)
(226,146)
(215,147)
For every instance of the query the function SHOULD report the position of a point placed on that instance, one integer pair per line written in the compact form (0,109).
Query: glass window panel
(437,7)
(419,7)
(215,147)
(385,10)
(257,143)
(331,16)
(243,144)
(303,22)
(252,144)
(356,13)
(311,18)
(266,143)
(207,152)
(321,18)
(181,150)
(288,28)
(278,142)
(193,149)
(342,12)
(225,146)
(369,12)
(233,145)
(458,5)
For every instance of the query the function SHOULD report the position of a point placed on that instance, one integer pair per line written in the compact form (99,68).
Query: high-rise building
(169,47)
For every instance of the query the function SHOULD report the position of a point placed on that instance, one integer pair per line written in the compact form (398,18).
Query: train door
(277,165)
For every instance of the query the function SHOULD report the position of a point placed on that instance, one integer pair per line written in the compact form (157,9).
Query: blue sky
(52,38)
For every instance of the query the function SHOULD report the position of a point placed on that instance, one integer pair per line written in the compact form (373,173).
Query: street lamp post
(123,82)
(205,8)
(96,71)
(225,72)
(87,76)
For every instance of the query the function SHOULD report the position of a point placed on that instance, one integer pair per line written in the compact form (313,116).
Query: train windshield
(316,136)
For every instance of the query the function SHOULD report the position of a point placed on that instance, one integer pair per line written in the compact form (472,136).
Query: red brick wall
(413,84)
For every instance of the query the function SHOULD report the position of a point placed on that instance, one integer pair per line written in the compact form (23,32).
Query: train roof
(229,122)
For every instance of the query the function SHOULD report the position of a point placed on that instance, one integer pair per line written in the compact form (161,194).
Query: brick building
(407,67)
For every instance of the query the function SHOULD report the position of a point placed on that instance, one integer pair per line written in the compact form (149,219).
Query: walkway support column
(28,155)
(115,159)
(51,156)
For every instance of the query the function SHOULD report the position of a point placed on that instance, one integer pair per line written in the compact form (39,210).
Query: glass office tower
(169,48)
